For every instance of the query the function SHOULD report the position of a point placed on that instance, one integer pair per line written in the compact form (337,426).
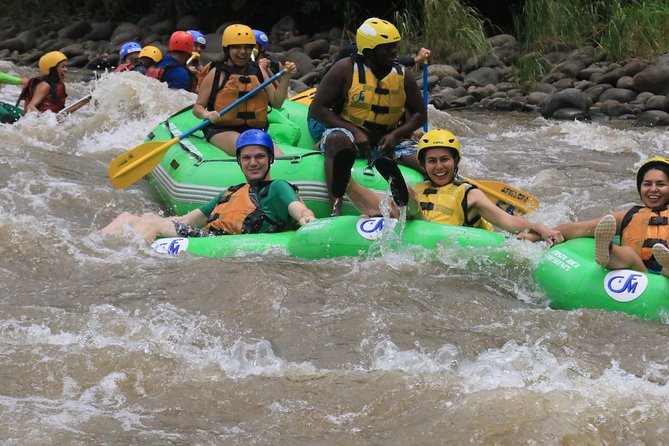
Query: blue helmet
(256,137)
(128,48)
(198,37)
(261,38)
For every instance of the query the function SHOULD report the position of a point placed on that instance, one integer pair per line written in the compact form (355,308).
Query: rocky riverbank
(579,83)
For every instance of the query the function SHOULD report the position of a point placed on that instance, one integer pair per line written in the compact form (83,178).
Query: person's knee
(336,142)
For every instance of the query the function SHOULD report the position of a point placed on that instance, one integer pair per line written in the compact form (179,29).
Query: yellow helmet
(374,32)
(657,162)
(151,52)
(437,138)
(50,60)
(238,35)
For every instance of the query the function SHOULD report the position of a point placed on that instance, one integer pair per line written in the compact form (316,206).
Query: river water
(103,341)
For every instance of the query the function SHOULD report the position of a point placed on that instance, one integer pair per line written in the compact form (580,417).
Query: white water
(104,342)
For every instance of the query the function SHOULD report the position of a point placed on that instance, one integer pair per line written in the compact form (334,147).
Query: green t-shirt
(274,197)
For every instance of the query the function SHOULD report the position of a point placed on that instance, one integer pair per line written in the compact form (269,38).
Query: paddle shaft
(77,104)
(206,122)
(425,90)
(136,163)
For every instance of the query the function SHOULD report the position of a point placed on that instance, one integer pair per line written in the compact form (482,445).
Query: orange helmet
(181,41)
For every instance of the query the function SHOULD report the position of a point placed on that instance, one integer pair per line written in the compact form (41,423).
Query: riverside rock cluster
(579,84)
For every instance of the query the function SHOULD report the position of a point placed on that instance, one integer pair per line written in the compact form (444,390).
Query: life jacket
(128,66)
(238,211)
(641,228)
(54,100)
(376,105)
(236,83)
(158,70)
(448,204)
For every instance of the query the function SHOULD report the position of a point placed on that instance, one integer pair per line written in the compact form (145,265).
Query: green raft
(194,171)
(332,237)
(9,113)
(572,279)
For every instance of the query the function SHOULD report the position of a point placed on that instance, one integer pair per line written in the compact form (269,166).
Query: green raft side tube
(9,113)
(572,279)
(225,245)
(332,237)
(193,171)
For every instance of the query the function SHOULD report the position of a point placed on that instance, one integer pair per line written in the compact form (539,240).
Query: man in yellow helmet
(444,197)
(368,104)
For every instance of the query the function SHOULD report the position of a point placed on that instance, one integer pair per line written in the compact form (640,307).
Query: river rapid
(103,341)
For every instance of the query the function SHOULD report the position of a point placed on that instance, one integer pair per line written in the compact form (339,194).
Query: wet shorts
(184,230)
(212,130)
(318,131)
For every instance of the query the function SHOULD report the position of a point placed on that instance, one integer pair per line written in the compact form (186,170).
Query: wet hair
(659,165)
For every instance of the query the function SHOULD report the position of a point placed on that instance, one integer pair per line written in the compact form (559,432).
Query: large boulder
(75,30)
(654,79)
(483,76)
(570,98)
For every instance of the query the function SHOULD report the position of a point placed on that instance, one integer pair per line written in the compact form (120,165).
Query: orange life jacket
(643,227)
(236,83)
(54,100)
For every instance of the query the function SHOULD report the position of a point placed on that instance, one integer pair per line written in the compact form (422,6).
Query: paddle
(76,105)
(129,167)
(425,92)
(9,79)
(512,200)
(305,97)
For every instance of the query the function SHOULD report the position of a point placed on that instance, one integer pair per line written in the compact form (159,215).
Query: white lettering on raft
(562,260)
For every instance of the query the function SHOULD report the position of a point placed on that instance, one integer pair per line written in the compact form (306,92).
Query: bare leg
(411,161)
(335,143)
(149,226)
(613,256)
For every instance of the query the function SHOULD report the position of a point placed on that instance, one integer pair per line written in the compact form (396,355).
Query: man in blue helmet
(261,205)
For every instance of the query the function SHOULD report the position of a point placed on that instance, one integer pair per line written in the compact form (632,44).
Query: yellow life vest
(447,204)
(236,83)
(643,227)
(375,105)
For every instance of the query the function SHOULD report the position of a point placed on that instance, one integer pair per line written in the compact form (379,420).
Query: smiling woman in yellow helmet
(444,197)
(47,92)
(233,77)
(643,230)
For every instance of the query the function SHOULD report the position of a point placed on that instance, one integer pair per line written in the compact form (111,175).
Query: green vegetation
(639,28)
(622,28)
(446,26)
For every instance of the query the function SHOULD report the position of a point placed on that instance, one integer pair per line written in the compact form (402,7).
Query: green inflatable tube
(335,237)
(572,279)
(193,171)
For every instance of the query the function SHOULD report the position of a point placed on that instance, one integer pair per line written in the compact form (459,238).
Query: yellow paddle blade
(134,164)
(513,200)
(305,97)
